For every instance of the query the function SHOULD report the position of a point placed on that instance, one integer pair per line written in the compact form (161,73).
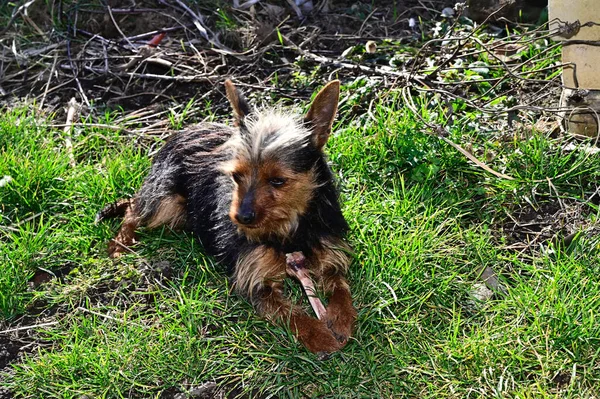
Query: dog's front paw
(340,319)
(114,249)
(316,337)
(118,248)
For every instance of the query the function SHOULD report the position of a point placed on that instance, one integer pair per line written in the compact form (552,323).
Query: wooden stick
(296,267)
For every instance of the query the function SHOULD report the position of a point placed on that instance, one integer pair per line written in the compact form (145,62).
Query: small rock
(479,67)
(490,278)
(305,5)
(448,12)
(163,268)
(481,292)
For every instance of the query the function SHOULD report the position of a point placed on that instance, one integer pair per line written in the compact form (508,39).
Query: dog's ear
(322,112)
(237,101)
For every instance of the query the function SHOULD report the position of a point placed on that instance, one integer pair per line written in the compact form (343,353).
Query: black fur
(188,165)
(116,209)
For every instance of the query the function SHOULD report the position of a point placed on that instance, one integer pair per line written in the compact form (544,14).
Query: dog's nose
(245,217)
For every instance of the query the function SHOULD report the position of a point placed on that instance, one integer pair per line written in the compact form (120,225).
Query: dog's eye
(236,177)
(276,181)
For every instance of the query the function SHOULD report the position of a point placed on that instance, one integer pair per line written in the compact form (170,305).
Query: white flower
(5,180)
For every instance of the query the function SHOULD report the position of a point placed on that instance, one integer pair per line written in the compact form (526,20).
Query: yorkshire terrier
(252,194)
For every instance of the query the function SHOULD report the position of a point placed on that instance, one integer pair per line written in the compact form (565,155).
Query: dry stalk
(72,111)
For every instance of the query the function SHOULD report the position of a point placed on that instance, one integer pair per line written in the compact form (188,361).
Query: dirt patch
(124,18)
(9,351)
(12,349)
(561,379)
(42,276)
(558,222)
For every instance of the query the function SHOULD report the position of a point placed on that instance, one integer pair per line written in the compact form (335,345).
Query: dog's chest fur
(189,165)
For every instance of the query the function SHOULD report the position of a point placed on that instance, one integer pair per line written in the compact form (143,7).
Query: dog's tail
(113,210)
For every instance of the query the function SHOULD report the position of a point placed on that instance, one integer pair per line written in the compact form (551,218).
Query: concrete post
(581,78)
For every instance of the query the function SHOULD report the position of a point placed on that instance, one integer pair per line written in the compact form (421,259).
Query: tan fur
(322,112)
(277,208)
(237,102)
(171,212)
(265,269)
(333,261)
(262,266)
(126,236)
(340,315)
(262,159)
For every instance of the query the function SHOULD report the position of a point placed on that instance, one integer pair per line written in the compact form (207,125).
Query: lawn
(426,222)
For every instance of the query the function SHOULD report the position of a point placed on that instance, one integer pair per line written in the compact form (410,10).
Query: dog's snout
(245,213)
(245,217)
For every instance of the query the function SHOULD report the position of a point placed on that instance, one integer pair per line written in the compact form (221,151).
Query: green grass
(424,222)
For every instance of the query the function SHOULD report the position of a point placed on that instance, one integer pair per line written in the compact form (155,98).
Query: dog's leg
(169,211)
(126,236)
(259,275)
(340,314)
(114,210)
(312,333)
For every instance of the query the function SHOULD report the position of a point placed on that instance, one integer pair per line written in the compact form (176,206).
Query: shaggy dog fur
(251,194)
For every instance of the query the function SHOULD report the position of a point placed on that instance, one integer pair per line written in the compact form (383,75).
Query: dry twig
(71,112)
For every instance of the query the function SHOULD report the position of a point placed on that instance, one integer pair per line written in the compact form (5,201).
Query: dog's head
(274,163)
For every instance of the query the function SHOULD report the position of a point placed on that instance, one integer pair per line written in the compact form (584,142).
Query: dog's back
(189,158)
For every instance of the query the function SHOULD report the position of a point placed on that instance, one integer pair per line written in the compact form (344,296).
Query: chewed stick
(296,267)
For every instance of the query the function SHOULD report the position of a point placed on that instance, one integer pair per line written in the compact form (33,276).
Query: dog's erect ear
(322,113)
(237,101)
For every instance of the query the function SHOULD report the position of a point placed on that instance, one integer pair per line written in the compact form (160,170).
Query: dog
(252,193)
